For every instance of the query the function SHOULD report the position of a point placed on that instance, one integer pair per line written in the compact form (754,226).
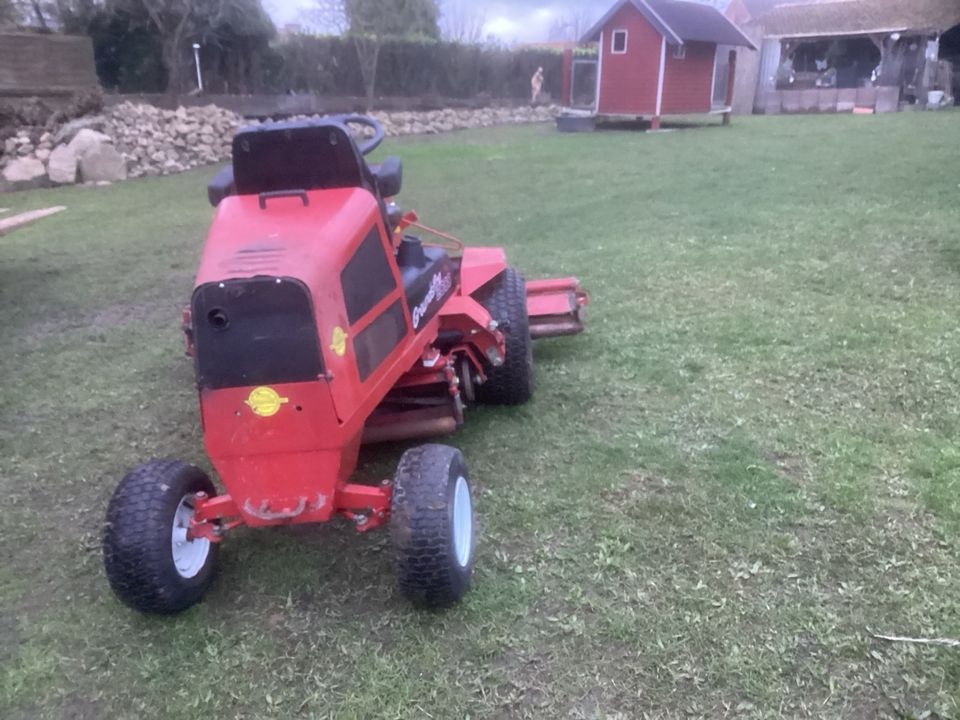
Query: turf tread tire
(505,298)
(136,541)
(421,526)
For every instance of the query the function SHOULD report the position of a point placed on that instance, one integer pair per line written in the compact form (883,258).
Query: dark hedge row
(130,62)
(329,66)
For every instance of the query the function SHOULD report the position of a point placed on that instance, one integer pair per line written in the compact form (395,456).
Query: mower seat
(294,155)
(298,155)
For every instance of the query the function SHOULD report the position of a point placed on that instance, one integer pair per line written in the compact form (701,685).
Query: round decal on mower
(265,402)
(339,341)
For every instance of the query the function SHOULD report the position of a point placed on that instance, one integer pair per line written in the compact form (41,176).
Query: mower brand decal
(440,285)
(339,341)
(265,402)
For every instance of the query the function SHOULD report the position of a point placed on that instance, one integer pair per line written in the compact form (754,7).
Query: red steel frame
(309,459)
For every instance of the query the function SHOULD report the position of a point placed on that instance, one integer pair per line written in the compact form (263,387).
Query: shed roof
(825,18)
(679,21)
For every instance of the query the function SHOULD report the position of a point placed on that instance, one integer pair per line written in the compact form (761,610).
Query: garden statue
(536,85)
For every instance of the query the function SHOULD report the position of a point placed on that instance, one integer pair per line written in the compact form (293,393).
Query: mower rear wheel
(505,298)
(431,521)
(150,563)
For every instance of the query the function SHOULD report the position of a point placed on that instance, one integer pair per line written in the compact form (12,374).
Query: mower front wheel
(431,521)
(151,564)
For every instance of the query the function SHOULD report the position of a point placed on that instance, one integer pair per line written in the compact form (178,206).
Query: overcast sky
(510,20)
(516,20)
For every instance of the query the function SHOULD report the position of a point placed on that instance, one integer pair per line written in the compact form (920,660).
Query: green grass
(748,460)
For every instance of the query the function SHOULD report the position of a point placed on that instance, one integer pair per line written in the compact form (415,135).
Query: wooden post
(566,97)
(731,81)
(10,224)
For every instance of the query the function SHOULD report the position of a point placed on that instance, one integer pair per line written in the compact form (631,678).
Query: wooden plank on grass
(17,221)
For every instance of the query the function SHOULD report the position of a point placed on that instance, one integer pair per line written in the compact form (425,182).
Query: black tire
(505,298)
(137,541)
(429,571)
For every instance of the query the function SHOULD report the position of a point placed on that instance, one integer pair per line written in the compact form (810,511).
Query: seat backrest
(298,155)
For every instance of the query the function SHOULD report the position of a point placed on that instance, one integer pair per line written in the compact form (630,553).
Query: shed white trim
(596,104)
(663,62)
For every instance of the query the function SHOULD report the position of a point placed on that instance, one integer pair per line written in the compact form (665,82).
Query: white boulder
(87,139)
(69,131)
(62,165)
(102,162)
(24,173)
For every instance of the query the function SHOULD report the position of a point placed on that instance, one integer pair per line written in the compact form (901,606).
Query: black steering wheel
(367,146)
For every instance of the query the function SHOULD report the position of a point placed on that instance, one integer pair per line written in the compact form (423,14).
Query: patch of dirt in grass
(9,636)
(49,326)
(79,708)
(791,467)
(125,313)
(526,685)
(638,485)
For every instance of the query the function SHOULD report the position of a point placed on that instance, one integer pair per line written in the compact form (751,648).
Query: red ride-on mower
(317,323)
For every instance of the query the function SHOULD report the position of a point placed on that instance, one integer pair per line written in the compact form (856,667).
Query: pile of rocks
(163,142)
(136,140)
(440,121)
(76,152)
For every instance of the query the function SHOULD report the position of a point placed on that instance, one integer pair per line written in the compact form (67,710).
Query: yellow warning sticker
(265,401)
(339,341)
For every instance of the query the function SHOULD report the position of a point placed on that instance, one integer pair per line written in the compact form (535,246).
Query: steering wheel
(368,146)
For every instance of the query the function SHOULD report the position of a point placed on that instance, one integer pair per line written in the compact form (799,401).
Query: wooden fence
(45,66)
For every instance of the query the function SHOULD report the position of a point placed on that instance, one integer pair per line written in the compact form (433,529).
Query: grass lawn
(747,461)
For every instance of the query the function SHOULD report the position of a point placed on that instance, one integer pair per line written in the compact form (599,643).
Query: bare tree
(462,21)
(172,19)
(8,12)
(572,25)
(329,16)
(374,21)
(39,14)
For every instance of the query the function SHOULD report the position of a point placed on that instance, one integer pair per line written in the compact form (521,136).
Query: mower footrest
(554,307)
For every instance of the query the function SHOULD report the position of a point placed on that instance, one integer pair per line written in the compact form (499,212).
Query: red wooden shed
(664,57)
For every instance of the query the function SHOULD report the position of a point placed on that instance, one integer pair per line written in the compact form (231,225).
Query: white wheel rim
(462,522)
(189,556)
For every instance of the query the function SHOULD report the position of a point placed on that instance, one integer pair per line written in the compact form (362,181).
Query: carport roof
(826,18)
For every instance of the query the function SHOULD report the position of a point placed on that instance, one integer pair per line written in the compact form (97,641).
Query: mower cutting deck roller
(319,322)
(555,306)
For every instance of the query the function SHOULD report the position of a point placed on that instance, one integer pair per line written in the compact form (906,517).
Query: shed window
(618,45)
(680,52)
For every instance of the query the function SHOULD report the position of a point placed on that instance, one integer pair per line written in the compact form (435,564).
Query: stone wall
(136,140)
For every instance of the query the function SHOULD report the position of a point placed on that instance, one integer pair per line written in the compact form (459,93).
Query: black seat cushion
(298,155)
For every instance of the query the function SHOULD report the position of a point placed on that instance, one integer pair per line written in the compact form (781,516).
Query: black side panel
(428,287)
(376,342)
(367,279)
(256,331)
